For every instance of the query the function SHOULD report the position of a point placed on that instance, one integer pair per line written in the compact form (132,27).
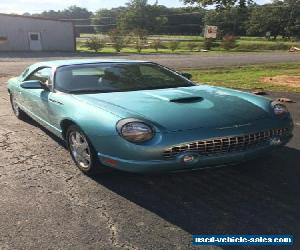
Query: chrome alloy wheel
(80,149)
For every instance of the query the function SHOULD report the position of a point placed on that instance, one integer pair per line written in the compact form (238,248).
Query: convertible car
(142,117)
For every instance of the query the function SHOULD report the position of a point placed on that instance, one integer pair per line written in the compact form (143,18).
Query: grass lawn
(183,49)
(250,77)
(244,44)
(193,37)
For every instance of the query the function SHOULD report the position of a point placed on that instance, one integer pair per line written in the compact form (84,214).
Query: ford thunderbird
(142,117)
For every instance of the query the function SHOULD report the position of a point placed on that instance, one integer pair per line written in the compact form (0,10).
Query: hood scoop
(175,95)
(190,99)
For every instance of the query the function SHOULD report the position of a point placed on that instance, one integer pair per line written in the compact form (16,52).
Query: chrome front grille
(222,145)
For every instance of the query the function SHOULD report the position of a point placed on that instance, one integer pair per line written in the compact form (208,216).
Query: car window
(41,75)
(152,72)
(113,77)
(88,72)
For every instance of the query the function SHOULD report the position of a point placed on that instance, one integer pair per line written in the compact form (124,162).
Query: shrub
(157,44)
(174,45)
(229,42)
(139,44)
(118,39)
(94,43)
(207,44)
(263,46)
(192,46)
(141,33)
(279,46)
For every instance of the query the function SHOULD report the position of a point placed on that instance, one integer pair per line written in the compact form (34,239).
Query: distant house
(26,33)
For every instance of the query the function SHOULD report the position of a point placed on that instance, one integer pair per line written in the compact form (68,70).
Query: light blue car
(142,117)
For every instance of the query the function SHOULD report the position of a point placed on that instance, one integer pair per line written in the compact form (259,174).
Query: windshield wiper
(167,87)
(80,91)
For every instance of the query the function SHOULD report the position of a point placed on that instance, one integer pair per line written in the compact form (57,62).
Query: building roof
(35,17)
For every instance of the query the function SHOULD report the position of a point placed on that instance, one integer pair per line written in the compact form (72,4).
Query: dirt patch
(291,81)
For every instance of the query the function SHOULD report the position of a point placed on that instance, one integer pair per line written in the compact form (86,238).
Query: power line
(275,6)
(182,14)
(94,25)
(112,17)
(85,19)
(104,25)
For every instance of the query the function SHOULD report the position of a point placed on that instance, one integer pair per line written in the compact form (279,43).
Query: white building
(26,33)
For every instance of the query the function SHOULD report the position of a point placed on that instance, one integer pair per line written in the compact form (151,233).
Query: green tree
(183,21)
(72,12)
(280,18)
(76,12)
(295,29)
(140,17)
(106,20)
(187,20)
(268,18)
(229,21)
(293,15)
(219,3)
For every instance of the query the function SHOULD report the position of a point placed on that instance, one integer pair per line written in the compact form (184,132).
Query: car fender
(92,120)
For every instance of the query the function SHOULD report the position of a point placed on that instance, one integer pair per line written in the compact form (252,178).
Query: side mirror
(187,75)
(34,84)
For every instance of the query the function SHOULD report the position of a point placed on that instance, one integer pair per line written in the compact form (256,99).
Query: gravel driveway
(46,203)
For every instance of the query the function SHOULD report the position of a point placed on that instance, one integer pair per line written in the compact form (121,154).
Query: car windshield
(116,77)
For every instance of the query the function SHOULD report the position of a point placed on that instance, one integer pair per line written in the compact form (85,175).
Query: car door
(34,99)
(45,103)
(54,109)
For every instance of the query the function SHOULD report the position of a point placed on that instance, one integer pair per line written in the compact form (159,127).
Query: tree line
(236,17)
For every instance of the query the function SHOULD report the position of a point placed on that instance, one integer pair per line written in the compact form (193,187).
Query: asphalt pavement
(188,60)
(46,203)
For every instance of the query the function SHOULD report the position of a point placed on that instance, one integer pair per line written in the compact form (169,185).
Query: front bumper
(200,161)
(117,153)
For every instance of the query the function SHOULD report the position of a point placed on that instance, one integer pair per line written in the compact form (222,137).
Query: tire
(83,153)
(20,114)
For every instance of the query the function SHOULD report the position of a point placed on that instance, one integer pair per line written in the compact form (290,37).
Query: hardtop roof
(69,62)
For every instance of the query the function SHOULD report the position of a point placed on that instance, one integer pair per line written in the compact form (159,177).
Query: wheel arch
(65,124)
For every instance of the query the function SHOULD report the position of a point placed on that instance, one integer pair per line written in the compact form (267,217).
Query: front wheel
(15,107)
(82,152)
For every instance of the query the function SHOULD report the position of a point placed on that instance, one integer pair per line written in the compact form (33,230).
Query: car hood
(180,108)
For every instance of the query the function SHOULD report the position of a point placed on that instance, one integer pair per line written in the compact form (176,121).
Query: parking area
(46,203)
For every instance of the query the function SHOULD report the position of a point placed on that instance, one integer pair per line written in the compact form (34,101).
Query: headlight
(279,108)
(135,130)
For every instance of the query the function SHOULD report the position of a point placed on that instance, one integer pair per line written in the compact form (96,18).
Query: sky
(35,6)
